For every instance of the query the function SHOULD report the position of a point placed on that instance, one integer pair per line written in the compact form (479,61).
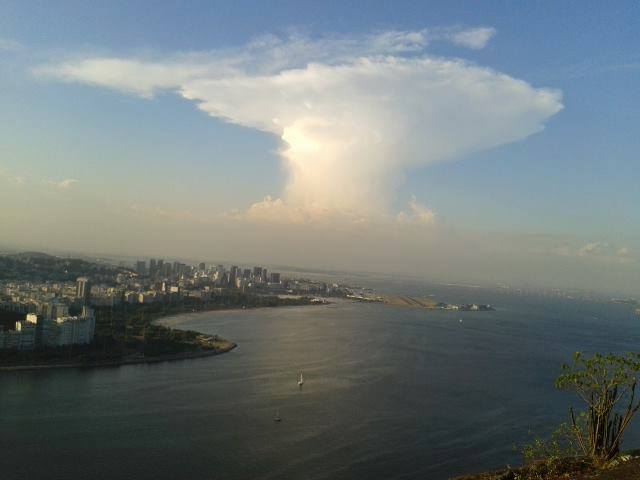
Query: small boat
(277,418)
(300,380)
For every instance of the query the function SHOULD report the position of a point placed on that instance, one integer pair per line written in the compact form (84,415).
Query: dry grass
(624,469)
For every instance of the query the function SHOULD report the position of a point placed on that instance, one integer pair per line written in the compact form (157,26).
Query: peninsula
(129,334)
(59,312)
(427,304)
(368,296)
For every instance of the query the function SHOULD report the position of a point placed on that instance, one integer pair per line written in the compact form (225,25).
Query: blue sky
(577,179)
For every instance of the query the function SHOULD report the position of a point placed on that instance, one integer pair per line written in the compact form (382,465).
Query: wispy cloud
(62,184)
(175,215)
(418,214)
(8,45)
(18,180)
(601,251)
(593,249)
(12,178)
(270,211)
(276,211)
(475,38)
(626,255)
(265,55)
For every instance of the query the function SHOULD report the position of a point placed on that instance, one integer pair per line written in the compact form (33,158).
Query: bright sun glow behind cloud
(355,113)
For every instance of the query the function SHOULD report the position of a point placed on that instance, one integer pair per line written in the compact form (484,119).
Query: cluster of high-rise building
(235,277)
(46,320)
(50,299)
(53,328)
(47,305)
(160,268)
(153,281)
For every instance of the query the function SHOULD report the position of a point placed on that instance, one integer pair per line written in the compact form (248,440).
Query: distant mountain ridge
(42,266)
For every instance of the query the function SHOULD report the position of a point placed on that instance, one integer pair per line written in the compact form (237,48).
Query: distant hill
(32,255)
(39,266)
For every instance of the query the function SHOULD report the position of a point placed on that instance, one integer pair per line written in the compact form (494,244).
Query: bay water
(389,392)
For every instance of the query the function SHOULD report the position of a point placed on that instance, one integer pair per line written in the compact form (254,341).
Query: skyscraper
(152,267)
(233,275)
(141,267)
(83,289)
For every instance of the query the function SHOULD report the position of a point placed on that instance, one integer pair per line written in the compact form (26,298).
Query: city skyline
(445,143)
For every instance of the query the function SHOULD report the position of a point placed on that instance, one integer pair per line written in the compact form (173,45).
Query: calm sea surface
(389,393)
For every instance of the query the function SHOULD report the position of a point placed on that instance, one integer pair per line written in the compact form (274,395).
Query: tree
(607,384)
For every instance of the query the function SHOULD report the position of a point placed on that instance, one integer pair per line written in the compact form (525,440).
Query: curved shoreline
(224,346)
(169,357)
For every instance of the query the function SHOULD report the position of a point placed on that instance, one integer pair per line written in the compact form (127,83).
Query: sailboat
(300,380)
(277,418)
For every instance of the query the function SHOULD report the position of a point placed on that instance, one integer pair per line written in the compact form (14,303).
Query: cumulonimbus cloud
(354,113)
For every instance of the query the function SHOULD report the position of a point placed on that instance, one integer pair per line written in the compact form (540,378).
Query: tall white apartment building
(42,332)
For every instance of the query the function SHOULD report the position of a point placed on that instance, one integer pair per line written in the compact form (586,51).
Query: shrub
(607,385)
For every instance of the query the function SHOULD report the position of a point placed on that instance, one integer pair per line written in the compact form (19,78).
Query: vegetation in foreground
(626,467)
(588,446)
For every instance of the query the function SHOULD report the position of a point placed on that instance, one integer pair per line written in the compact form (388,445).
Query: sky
(457,141)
